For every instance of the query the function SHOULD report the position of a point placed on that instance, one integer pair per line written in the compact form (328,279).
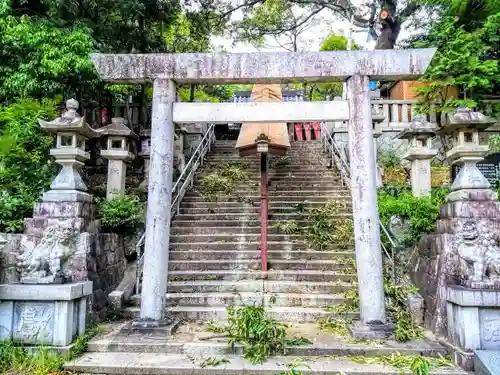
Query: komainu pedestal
(51,315)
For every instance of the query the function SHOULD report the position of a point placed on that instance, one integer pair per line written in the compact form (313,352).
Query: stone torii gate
(357,68)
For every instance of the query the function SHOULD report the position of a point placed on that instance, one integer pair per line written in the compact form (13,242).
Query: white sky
(310,40)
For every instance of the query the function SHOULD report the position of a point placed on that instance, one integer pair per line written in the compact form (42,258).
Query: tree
(327,91)
(294,23)
(270,17)
(468,40)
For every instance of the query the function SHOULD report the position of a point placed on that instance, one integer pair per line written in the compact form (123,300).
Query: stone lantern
(419,153)
(119,138)
(377,118)
(71,134)
(464,126)
(145,154)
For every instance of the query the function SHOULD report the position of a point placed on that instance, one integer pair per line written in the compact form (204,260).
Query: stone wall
(8,255)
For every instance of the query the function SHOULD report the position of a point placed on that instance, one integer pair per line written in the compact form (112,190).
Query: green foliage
(260,335)
(222,179)
(397,308)
(40,60)
(14,359)
(327,91)
(468,45)
(388,159)
(396,304)
(324,226)
(421,212)
(417,364)
(121,214)
(25,166)
(211,361)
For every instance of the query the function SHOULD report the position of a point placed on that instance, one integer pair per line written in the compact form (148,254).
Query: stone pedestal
(473,322)
(52,315)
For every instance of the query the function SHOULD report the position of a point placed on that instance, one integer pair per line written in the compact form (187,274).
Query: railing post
(263,210)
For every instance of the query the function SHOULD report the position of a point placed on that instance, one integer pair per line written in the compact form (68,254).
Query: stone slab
(32,292)
(487,362)
(463,296)
(362,331)
(264,67)
(66,196)
(176,364)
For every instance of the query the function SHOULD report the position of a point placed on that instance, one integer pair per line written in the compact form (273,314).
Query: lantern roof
(118,128)
(418,127)
(466,118)
(69,121)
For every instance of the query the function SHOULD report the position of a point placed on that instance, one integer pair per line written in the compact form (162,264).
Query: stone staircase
(215,246)
(215,262)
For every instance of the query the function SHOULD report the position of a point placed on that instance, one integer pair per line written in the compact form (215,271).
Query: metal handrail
(185,181)
(343,166)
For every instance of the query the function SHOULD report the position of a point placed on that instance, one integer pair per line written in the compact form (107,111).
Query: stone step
(324,344)
(234,264)
(247,207)
(285,275)
(243,211)
(250,298)
(236,228)
(253,228)
(280,313)
(230,245)
(119,363)
(231,237)
(241,220)
(305,194)
(258,286)
(290,197)
(216,254)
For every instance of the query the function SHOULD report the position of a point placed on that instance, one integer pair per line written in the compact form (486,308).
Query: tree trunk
(389,35)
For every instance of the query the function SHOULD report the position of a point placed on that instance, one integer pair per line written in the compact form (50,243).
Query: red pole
(263,210)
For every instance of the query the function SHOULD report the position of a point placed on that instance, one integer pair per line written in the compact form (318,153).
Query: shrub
(121,214)
(26,169)
(421,212)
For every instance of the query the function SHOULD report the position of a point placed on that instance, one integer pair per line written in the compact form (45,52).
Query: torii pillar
(355,67)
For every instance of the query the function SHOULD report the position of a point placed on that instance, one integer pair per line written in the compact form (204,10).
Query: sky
(326,24)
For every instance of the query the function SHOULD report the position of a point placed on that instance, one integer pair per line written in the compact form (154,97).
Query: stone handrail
(183,183)
(342,165)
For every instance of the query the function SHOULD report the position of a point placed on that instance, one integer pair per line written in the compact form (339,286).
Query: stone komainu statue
(45,263)
(479,251)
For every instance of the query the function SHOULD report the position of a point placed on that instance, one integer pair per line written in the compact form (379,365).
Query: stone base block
(360,331)
(487,362)
(52,315)
(473,322)
(66,196)
(166,327)
(472,195)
